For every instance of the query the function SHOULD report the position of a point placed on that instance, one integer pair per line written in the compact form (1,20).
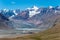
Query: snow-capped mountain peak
(50,7)
(5,10)
(33,11)
(28,8)
(14,14)
(35,8)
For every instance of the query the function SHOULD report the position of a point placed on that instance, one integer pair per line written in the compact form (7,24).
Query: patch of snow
(15,12)
(32,13)
(11,16)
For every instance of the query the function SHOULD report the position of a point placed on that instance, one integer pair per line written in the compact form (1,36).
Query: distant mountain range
(34,17)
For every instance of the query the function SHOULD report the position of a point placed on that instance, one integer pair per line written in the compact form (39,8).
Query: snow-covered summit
(50,7)
(33,11)
(5,10)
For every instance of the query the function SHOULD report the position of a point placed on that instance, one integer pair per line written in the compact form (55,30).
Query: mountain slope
(50,34)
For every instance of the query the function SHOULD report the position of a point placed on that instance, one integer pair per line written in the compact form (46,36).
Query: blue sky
(23,4)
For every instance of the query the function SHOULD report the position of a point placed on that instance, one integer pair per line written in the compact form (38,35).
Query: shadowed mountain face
(3,22)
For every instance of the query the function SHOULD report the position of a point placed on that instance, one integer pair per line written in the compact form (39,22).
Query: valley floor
(50,34)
